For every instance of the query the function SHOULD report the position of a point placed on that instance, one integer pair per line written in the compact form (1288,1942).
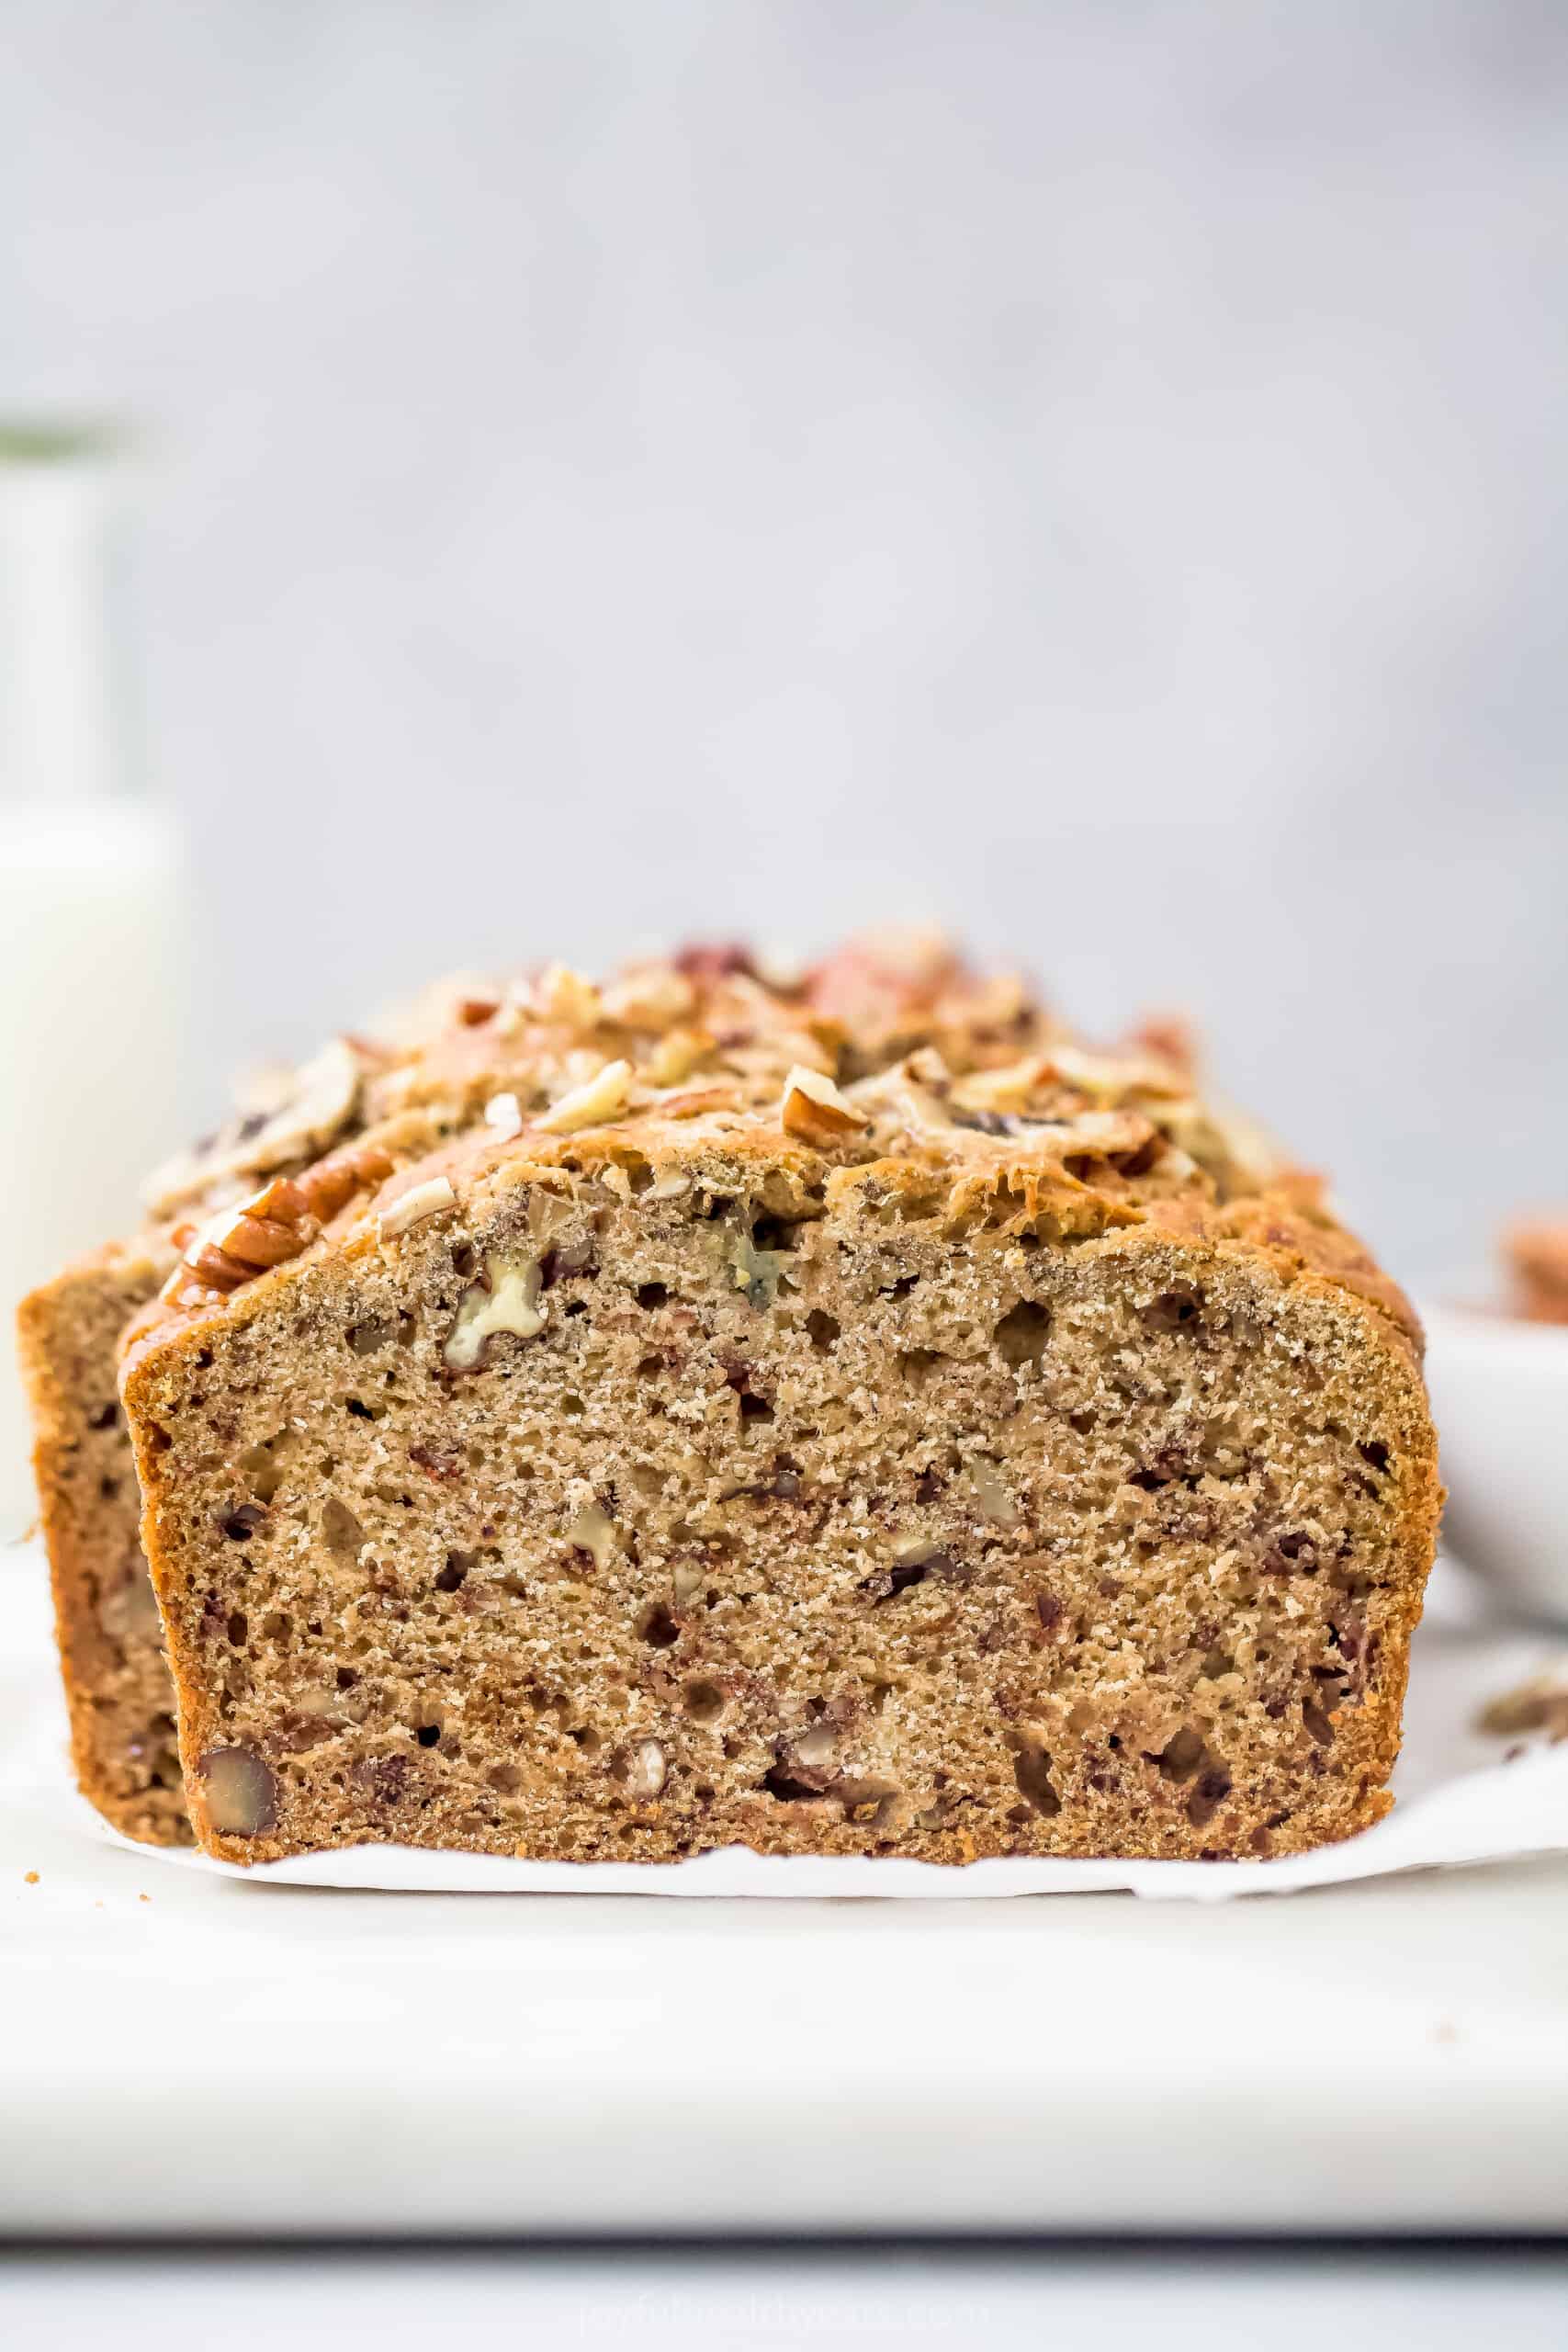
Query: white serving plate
(183,2054)
(1499,1389)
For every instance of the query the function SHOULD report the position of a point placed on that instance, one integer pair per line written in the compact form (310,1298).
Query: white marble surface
(189,2054)
(1094,473)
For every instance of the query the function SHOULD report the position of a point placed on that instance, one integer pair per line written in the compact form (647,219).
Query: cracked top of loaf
(891,1063)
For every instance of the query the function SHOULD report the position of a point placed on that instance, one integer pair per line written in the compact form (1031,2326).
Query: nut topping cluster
(319,1105)
(234,1245)
(889,1047)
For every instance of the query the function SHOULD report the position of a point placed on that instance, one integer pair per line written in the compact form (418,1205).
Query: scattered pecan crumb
(1538,1704)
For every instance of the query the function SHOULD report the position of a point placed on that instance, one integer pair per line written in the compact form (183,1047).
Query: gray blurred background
(1092,473)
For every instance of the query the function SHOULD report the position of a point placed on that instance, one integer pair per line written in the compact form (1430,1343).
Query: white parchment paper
(1462,1798)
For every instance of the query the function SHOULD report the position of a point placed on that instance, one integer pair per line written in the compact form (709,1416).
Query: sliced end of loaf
(119,1695)
(818,1510)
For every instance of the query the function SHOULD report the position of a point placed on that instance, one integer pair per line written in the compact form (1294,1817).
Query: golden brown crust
(1301,1236)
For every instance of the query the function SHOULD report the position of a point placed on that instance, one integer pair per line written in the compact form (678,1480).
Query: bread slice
(119,1695)
(364,1102)
(834,1451)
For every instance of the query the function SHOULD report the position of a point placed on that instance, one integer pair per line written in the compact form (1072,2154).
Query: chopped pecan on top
(235,1244)
(811,1106)
(321,1102)
(431,1198)
(594,1102)
(713,960)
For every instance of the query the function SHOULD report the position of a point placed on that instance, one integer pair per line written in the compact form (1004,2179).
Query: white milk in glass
(92,900)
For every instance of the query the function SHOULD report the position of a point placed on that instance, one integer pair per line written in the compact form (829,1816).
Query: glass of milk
(92,891)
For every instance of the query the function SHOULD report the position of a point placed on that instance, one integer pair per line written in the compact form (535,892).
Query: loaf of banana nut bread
(427,1074)
(842,1417)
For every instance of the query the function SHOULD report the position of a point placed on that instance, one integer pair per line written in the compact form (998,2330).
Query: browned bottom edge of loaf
(794,1526)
